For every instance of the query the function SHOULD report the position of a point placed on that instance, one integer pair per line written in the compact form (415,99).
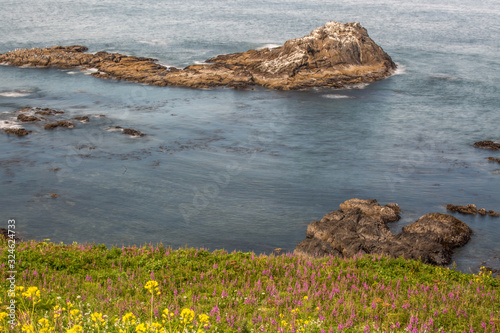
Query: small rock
(469,209)
(492,159)
(83,119)
(487,144)
(25,118)
(481,211)
(47,111)
(62,123)
(54,195)
(493,213)
(17,131)
(133,132)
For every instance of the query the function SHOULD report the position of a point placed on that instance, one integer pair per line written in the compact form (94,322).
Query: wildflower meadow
(89,288)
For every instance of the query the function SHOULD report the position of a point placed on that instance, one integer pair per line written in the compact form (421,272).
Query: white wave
(114,129)
(16,93)
(4,124)
(196,62)
(445,77)
(400,70)
(335,96)
(90,71)
(358,86)
(268,46)
(72,73)
(167,66)
(154,42)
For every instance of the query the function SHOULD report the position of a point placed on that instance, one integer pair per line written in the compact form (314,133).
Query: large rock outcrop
(361,226)
(334,55)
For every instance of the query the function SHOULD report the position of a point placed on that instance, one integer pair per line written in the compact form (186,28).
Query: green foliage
(241,292)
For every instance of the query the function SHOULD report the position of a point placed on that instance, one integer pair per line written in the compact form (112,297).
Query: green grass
(88,288)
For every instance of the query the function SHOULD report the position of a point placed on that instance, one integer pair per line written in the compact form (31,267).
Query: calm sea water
(248,170)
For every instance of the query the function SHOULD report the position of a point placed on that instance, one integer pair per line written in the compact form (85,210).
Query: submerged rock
(131,131)
(361,226)
(17,131)
(62,123)
(25,118)
(83,119)
(493,159)
(487,144)
(334,55)
(47,111)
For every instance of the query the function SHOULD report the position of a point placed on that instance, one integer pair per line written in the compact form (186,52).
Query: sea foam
(16,93)
(335,96)
(268,46)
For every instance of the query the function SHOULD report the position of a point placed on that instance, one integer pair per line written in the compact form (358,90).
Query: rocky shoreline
(335,55)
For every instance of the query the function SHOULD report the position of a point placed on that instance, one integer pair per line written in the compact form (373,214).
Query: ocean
(248,170)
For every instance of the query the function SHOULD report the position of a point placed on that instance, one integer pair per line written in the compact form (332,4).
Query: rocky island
(360,226)
(335,55)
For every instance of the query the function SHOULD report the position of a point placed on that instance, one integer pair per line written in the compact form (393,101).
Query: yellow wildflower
(57,311)
(32,293)
(187,315)
(141,328)
(43,321)
(97,318)
(75,329)
(3,315)
(129,318)
(152,287)
(74,312)
(204,319)
(28,329)
(306,298)
(156,326)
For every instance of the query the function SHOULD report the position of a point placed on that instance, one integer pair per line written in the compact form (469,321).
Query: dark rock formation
(5,234)
(17,131)
(62,123)
(492,159)
(487,145)
(24,118)
(131,131)
(334,55)
(361,226)
(47,112)
(470,209)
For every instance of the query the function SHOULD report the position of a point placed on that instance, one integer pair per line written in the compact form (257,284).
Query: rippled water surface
(248,170)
